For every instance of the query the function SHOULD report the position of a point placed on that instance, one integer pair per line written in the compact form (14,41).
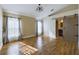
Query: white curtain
(1,31)
(50,27)
(13,29)
(39,27)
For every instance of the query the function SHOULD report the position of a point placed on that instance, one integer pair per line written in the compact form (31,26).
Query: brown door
(71,32)
(71,28)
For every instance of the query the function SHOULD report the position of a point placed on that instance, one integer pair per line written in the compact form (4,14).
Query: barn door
(71,31)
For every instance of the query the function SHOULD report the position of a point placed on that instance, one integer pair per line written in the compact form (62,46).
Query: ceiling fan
(39,8)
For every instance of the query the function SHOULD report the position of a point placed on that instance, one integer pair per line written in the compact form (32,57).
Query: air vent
(51,11)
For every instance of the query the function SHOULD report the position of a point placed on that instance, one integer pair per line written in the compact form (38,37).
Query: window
(13,28)
(39,27)
(1,31)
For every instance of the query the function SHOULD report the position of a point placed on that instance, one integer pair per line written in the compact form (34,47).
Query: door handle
(76,35)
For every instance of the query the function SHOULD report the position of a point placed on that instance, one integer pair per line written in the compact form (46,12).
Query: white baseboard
(29,36)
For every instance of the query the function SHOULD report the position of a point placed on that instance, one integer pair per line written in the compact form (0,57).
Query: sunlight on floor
(27,49)
(13,49)
(39,42)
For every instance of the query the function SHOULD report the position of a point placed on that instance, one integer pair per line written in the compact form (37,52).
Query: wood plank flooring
(45,46)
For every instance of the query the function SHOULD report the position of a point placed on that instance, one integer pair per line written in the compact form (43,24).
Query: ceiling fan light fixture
(39,8)
(52,10)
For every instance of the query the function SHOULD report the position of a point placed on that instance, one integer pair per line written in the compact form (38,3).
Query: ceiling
(30,9)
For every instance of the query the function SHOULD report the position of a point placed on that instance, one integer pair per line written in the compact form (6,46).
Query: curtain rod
(11,17)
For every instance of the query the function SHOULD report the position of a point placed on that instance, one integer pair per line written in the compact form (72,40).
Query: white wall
(0,27)
(49,27)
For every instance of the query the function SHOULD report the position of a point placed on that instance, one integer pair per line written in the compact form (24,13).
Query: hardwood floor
(45,46)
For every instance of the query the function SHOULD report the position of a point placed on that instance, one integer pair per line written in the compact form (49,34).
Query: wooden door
(71,32)
(70,27)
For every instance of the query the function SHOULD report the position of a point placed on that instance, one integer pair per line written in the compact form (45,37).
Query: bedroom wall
(28,26)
